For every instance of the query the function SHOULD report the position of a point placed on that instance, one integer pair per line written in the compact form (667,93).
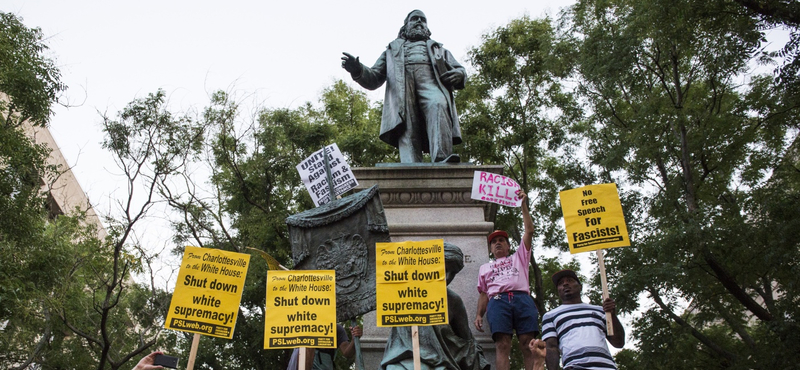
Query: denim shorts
(513,311)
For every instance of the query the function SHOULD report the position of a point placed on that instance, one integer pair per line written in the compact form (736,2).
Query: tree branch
(732,287)
(695,333)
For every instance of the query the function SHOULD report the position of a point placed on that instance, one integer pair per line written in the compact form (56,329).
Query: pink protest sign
(494,188)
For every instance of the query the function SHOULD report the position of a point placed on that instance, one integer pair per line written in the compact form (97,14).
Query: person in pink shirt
(505,295)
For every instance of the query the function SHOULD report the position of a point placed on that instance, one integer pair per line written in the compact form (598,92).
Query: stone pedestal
(432,201)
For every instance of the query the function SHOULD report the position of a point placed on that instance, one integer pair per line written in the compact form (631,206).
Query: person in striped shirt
(575,332)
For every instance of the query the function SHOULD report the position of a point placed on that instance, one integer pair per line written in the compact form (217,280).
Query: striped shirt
(581,332)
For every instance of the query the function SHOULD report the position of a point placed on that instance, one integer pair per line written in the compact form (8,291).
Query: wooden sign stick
(609,321)
(193,351)
(301,359)
(415,343)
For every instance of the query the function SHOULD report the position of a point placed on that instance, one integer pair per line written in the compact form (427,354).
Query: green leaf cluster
(517,111)
(29,79)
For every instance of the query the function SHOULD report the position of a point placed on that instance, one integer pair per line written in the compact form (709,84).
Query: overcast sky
(285,53)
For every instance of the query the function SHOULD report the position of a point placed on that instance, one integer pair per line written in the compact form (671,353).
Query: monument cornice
(414,185)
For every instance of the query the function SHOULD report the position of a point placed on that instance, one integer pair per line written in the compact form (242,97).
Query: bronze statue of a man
(419,114)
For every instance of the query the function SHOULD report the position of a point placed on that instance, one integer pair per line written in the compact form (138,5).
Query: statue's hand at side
(452,78)
(351,64)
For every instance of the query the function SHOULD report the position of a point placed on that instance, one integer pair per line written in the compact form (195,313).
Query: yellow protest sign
(411,283)
(208,292)
(593,218)
(301,309)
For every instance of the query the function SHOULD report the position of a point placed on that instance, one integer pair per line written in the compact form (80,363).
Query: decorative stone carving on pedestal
(424,201)
(341,236)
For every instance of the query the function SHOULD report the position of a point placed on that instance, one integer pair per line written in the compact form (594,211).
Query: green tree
(705,168)
(516,111)
(29,85)
(116,318)
(259,187)
(704,152)
(29,78)
(253,187)
(101,320)
(357,123)
(67,298)
(786,15)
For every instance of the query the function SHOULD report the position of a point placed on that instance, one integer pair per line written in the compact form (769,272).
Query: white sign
(494,188)
(312,171)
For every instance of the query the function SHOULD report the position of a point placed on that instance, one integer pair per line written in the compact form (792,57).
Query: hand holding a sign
(618,339)
(610,306)
(349,348)
(585,321)
(146,363)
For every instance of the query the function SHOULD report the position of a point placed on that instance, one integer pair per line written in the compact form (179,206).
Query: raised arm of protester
(505,295)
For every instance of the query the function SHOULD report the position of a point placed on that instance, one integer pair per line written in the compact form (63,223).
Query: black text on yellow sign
(411,283)
(301,309)
(593,218)
(208,292)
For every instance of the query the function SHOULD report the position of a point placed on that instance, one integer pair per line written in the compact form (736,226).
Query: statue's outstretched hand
(351,64)
(452,78)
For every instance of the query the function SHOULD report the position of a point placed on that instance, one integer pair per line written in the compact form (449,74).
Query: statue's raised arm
(419,114)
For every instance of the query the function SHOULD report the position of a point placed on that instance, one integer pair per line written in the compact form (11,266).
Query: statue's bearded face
(417,28)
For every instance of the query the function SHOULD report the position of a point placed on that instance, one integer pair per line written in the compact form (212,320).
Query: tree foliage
(84,309)
(23,165)
(516,111)
(28,77)
(784,15)
(29,83)
(253,187)
(707,164)
(696,152)
(66,295)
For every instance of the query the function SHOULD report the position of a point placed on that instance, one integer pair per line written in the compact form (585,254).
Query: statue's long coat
(390,68)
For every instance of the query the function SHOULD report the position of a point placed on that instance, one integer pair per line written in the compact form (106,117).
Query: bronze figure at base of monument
(423,202)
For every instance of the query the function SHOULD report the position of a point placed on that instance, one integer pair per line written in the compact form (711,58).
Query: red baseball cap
(496,233)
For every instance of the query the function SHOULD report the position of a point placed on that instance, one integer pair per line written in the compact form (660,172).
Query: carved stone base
(432,201)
